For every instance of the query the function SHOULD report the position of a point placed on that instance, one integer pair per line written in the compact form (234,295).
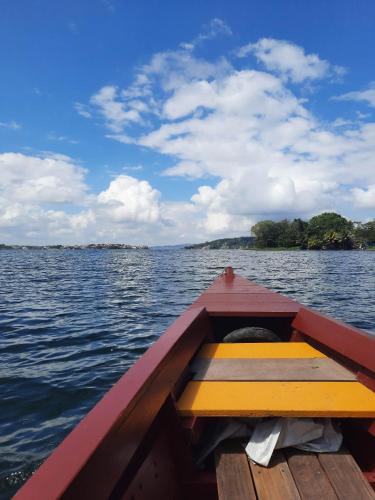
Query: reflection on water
(71,322)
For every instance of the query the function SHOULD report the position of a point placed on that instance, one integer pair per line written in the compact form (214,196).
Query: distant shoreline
(90,246)
(281,249)
(248,243)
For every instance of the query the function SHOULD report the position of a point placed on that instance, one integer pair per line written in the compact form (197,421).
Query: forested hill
(327,231)
(243,242)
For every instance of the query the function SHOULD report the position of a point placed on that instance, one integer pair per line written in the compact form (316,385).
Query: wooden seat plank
(285,399)
(260,350)
(309,476)
(274,482)
(234,481)
(270,369)
(345,476)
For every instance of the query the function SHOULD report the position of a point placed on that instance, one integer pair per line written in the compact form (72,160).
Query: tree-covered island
(327,231)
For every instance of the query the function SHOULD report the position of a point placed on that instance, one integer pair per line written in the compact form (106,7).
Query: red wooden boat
(139,441)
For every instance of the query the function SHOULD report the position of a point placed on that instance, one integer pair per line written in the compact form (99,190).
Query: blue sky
(167,122)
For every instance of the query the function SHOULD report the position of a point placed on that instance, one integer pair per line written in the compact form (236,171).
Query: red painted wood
(243,299)
(348,341)
(194,427)
(266,309)
(237,284)
(238,289)
(165,463)
(297,337)
(240,297)
(370,476)
(203,486)
(89,462)
(366,378)
(157,478)
(360,443)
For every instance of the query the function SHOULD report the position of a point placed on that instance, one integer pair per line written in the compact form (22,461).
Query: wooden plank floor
(291,475)
(274,482)
(230,465)
(308,475)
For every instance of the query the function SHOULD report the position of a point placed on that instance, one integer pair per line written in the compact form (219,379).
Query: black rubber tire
(251,334)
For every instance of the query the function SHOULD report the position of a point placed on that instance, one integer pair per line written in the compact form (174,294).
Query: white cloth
(302,433)
(264,436)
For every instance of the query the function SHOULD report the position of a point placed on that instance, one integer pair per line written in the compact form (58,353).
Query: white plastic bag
(280,433)
(296,431)
(330,441)
(263,441)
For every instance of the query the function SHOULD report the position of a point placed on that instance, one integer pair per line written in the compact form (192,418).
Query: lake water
(71,323)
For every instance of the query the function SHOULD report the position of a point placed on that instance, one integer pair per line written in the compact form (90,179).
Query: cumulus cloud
(48,179)
(128,199)
(366,95)
(33,191)
(46,199)
(364,198)
(290,60)
(138,103)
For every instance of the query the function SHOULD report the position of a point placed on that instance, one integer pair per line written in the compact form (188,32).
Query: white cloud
(172,69)
(11,125)
(189,169)
(48,179)
(82,110)
(364,198)
(132,167)
(61,138)
(116,113)
(128,199)
(215,28)
(290,60)
(45,199)
(367,95)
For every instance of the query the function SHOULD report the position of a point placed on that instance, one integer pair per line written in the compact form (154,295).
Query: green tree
(329,231)
(284,233)
(295,234)
(364,234)
(266,233)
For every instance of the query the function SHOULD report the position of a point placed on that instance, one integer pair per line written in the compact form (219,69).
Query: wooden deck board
(260,350)
(274,482)
(270,369)
(309,476)
(234,480)
(285,399)
(345,476)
